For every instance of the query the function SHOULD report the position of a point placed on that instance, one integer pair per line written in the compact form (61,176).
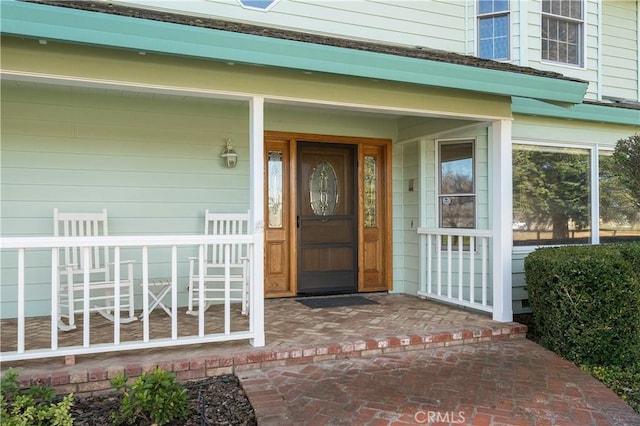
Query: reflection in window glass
(619,214)
(551,195)
(493,41)
(493,29)
(457,188)
(457,212)
(275,189)
(562,22)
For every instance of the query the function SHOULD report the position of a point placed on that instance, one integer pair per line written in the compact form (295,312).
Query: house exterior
(415,147)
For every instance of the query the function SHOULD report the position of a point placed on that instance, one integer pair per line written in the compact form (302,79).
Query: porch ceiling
(81,26)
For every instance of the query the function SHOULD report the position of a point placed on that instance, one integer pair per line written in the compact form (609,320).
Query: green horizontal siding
(152,161)
(620,49)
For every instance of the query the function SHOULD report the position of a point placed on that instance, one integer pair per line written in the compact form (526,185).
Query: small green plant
(623,381)
(153,398)
(32,406)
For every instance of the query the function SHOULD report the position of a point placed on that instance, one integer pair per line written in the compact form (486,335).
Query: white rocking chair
(214,264)
(72,269)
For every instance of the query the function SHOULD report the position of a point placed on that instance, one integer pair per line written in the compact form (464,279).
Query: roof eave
(583,112)
(79,26)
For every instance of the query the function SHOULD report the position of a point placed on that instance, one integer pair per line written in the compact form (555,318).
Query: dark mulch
(221,399)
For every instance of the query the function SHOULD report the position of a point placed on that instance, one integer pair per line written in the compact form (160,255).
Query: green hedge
(586,302)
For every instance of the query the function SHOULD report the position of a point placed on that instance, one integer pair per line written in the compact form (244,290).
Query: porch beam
(256,167)
(502,218)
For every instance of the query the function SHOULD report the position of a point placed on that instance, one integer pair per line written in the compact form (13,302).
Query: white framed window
(493,29)
(563,31)
(456,186)
(555,190)
(618,213)
(552,194)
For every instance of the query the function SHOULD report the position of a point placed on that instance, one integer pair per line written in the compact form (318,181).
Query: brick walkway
(371,364)
(513,382)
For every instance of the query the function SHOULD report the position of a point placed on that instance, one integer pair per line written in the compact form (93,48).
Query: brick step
(93,378)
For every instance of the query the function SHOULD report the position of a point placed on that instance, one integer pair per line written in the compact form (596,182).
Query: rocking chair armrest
(68,267)
(75,265)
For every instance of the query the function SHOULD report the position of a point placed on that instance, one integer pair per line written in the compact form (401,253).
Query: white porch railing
(454,267)
(23,246)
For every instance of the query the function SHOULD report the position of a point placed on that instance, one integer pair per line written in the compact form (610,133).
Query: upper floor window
(562,31)
(493,29)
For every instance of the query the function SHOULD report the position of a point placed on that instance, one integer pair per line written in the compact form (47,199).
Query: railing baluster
(116,295)
(484,271)
(201,307)
(145,294)
(429,268)
(21,301)
(55,288)
(227,289)
(439,261)
(174,292)
(86,260)
(449,271)
(460,266)
(472,270)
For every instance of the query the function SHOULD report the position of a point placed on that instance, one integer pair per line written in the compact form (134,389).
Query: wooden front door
(327,214)
(326,219)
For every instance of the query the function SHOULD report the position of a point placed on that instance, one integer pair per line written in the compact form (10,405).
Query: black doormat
(335,302)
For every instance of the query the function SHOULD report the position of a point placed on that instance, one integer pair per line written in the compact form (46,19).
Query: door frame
(281,255)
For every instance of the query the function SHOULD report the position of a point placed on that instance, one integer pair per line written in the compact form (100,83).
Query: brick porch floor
(295,334)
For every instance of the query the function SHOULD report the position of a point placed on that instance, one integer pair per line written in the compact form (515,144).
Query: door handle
(297,221)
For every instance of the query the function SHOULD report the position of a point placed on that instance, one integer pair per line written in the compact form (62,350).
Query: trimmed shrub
(631,252)
(586,302)
(154,398)
(35,406)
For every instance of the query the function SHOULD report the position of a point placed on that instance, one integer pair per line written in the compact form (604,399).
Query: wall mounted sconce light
(229,155)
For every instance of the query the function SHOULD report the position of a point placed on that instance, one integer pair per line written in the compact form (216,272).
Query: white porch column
(256,166)
(502,215)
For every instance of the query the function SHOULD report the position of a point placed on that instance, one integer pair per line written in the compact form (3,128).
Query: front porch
(295,334)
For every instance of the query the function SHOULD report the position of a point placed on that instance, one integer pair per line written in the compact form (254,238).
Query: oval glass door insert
(323,189)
